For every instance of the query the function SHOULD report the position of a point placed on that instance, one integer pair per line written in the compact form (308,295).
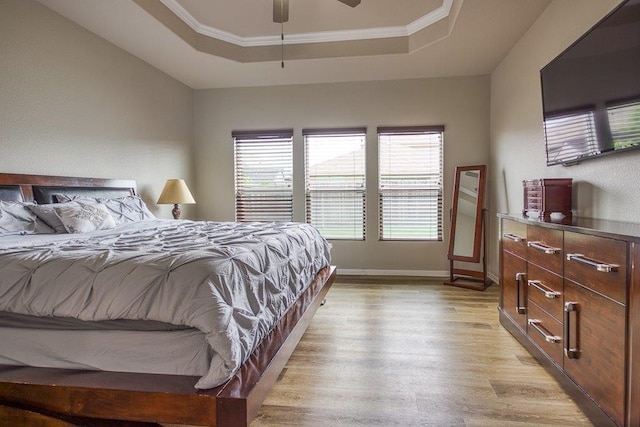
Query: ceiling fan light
(280,11)
(352,3)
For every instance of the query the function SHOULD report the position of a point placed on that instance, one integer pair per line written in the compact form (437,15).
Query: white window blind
(410,183)
(263,175)
(335,181)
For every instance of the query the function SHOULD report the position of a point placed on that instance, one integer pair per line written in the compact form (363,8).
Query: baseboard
(400,273)
(349,274)
(493,278)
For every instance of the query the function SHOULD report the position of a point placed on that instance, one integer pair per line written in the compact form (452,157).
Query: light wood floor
(413,354)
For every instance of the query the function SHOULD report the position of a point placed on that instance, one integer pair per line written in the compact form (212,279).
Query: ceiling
(235,43)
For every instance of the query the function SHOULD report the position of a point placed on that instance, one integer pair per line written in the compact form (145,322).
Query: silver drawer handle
(547,337)
(544,248)
(549,293)
(599,266)
(570,307)
(513,237)
(520,278)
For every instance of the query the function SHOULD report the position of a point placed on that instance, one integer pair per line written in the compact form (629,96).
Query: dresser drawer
(534,193)
(546,332)
(544,247)
(545,289)
(513,289)
(597,338)
(598,263)
(514,237)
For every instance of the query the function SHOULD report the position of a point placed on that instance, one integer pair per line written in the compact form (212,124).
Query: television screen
(591,91)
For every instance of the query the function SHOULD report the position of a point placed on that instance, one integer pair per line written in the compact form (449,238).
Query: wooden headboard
(40,188)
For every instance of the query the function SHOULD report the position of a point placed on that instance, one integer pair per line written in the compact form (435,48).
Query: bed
(263,319)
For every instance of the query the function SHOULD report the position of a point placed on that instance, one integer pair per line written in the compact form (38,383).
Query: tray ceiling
(230,43)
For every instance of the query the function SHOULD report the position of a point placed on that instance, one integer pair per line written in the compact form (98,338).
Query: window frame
(281,208)
(359,191)
(382,192)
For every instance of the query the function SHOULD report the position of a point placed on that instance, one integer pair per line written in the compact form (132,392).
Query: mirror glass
(466,215)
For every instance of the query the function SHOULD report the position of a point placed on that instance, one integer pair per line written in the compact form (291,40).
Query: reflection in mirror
(466,240)
(466,213)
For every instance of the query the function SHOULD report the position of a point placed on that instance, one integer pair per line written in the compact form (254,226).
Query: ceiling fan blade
(352,3)
(280,11)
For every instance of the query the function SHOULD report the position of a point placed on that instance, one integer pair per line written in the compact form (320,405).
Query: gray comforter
(232,281)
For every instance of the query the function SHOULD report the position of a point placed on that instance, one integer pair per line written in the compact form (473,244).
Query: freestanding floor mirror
(467,241)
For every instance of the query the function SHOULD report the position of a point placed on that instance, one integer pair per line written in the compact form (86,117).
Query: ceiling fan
(281,9)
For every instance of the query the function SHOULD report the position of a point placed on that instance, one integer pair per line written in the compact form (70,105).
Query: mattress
(216,287)
(179,352)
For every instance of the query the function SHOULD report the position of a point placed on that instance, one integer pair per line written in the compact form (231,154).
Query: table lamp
(175,191)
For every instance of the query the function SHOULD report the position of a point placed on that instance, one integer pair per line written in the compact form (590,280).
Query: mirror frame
(478,226)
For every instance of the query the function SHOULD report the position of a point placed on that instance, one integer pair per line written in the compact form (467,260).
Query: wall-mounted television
(591,91)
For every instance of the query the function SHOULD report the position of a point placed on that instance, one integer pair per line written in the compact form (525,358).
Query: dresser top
(628,231)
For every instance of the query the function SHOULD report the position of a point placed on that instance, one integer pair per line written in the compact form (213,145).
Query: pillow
(16,218)
(123,209)
(48,215)
(82,218)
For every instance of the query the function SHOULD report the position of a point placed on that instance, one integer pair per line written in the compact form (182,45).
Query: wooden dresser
(570,293)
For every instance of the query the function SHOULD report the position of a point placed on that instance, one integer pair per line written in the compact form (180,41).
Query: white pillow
(16,218)
(78,218)
(123,209)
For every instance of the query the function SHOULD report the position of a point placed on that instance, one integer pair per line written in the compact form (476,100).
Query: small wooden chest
(547,196)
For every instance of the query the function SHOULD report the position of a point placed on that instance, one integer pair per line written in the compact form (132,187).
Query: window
(410,183)
(335,181)
(263,175)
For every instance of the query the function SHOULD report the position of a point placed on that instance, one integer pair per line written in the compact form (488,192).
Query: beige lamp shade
(175,192)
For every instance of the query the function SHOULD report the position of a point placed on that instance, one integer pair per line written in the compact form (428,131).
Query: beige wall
(603,188)
(461,104)
(87,108)
(72,103)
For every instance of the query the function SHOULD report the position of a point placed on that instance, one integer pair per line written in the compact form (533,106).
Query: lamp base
(176,211)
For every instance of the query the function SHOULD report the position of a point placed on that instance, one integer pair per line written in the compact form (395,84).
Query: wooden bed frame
(64,397)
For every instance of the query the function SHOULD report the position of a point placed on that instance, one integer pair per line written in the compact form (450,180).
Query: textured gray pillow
(123,209)
(16,218)
(82,218)
(48,215)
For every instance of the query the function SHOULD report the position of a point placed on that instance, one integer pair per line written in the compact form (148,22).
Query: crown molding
(317,37)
